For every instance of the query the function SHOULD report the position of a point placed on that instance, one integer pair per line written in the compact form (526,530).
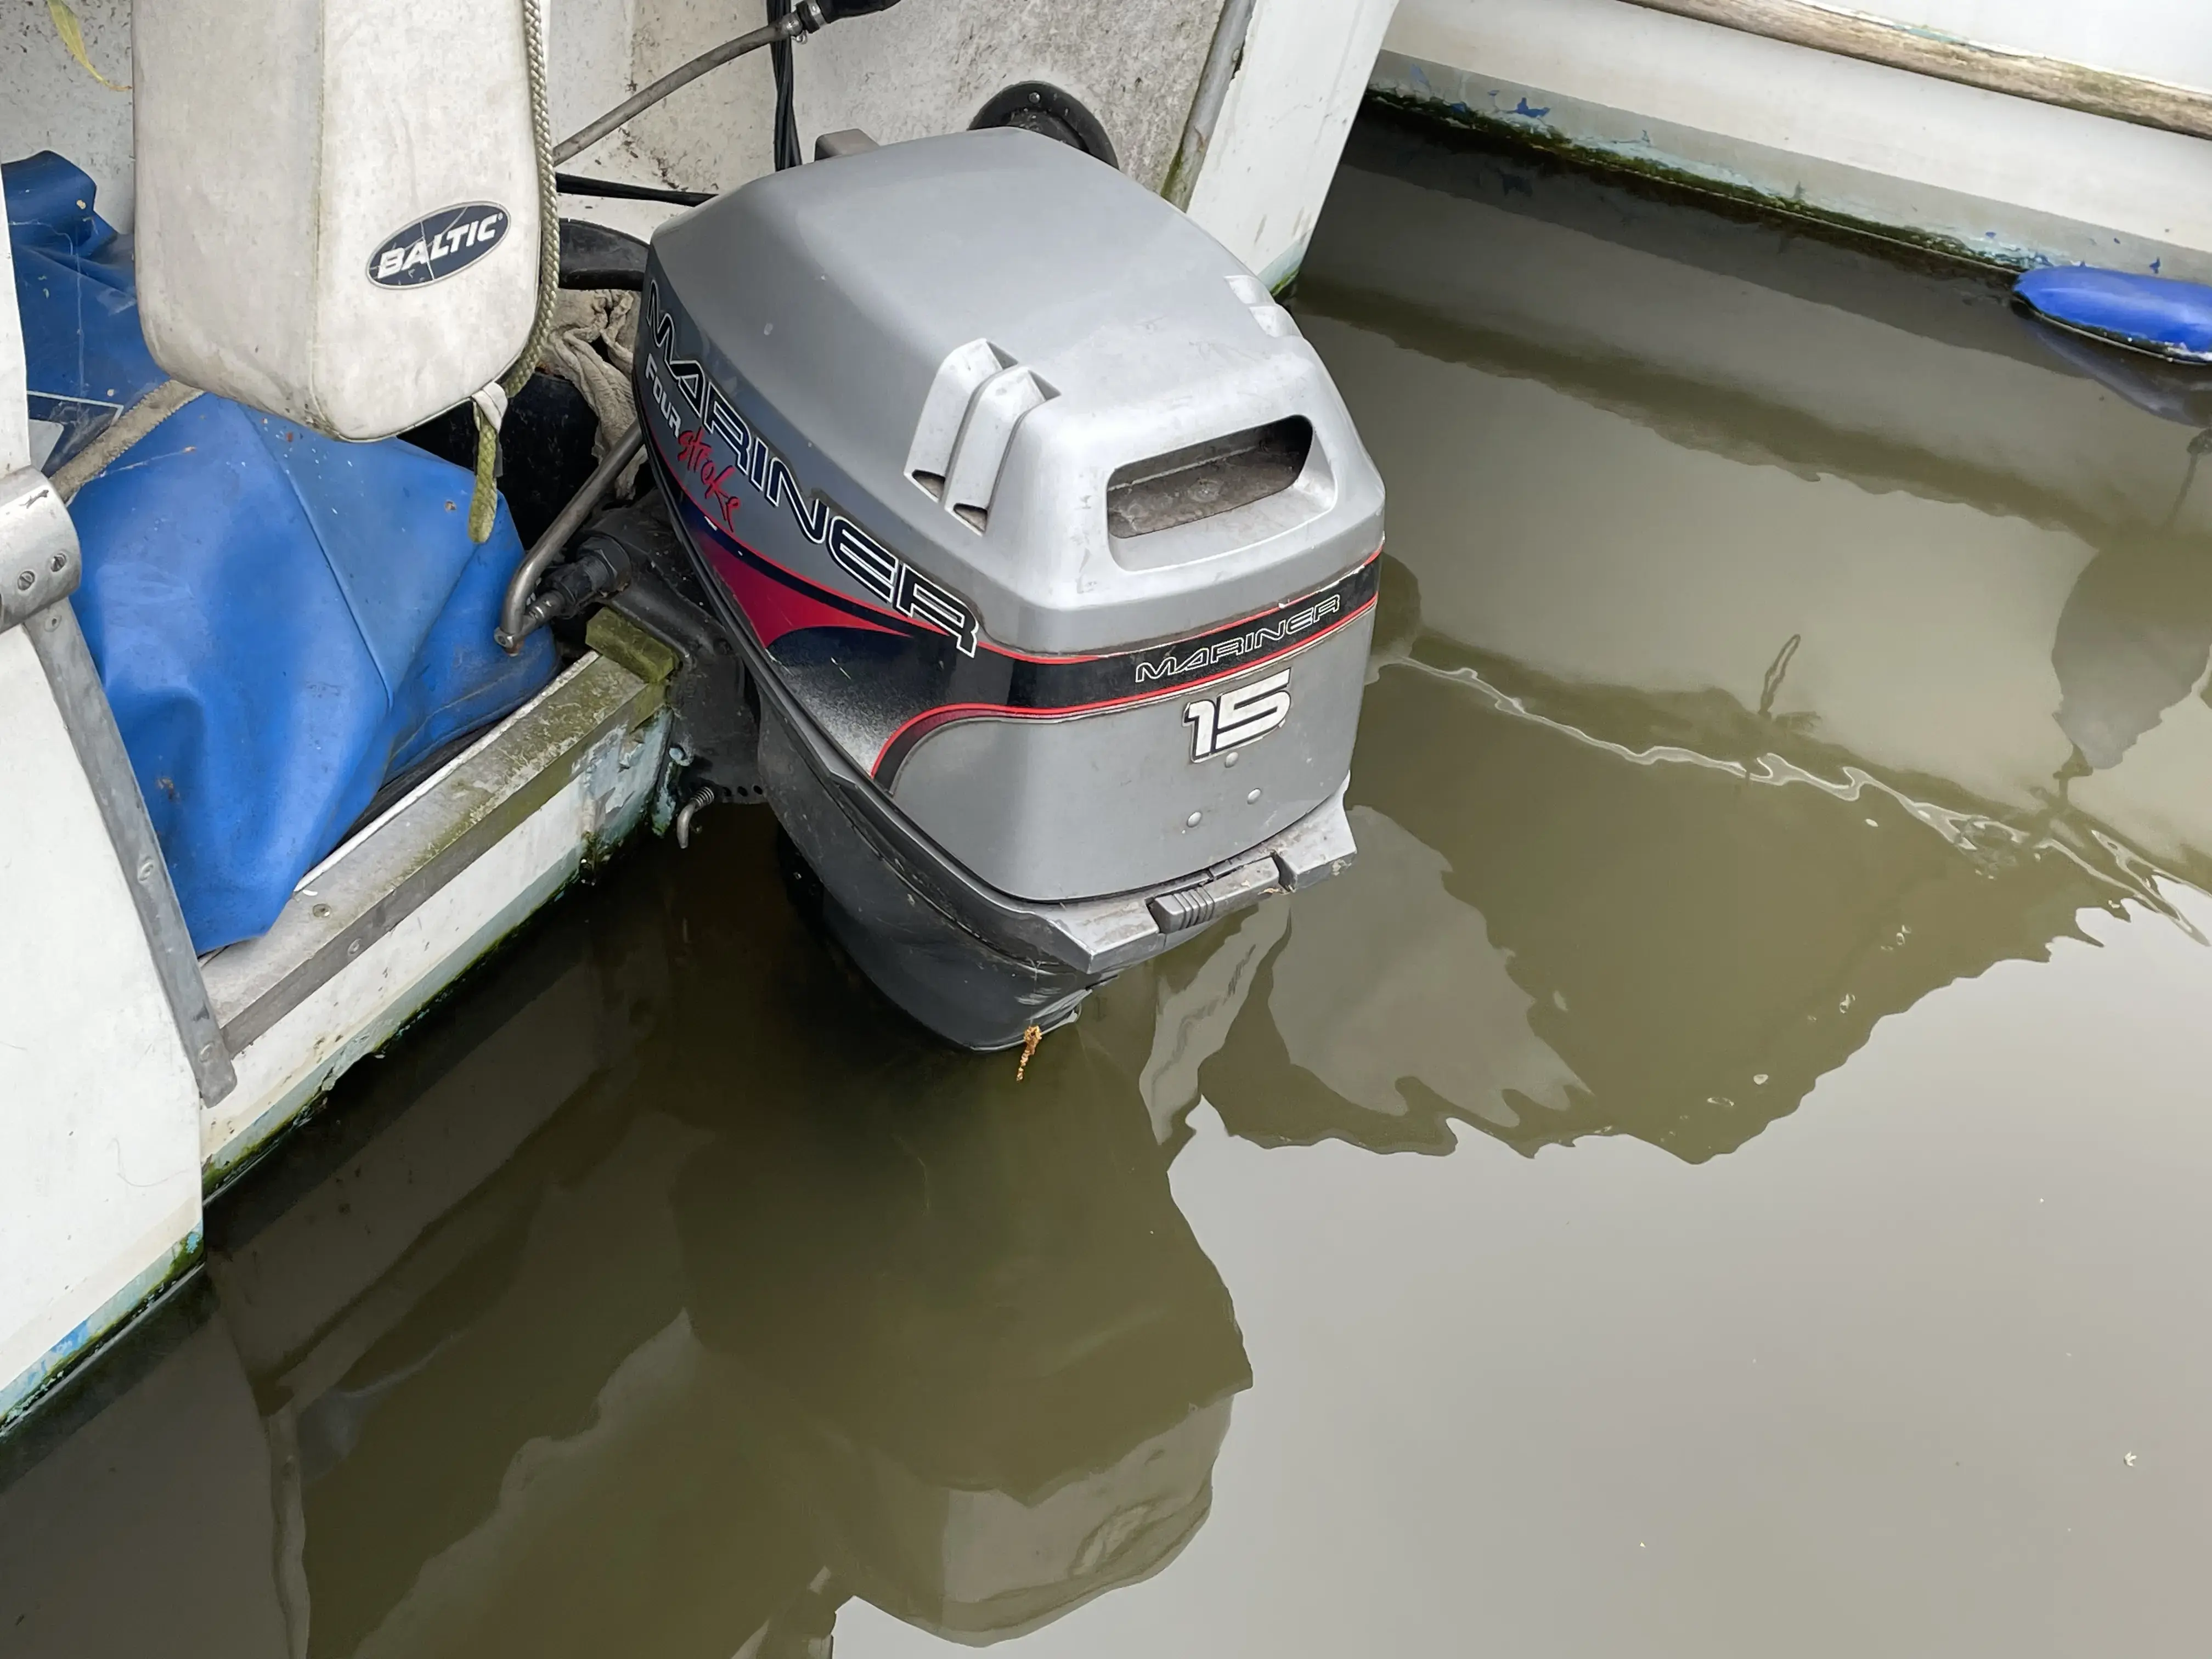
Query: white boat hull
(1996,177)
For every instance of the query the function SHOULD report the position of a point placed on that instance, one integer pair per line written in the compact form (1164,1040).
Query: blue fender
(2158,315)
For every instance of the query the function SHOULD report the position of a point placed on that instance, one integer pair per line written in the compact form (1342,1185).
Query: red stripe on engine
(930,719)
(776,608)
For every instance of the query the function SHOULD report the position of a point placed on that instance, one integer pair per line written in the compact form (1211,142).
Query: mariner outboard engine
(1048,544)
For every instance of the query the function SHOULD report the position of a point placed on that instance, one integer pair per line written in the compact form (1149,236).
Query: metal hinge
(38,561)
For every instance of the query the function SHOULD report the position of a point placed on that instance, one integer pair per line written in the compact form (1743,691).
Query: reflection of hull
(1729,334)
(1774,636)
(131,1537)
(1692,975)
(1805,444)
(2173,391)
(1681,981)
(556,1347)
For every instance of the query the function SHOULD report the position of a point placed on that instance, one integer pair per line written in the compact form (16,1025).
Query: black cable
(572,184)
(819,14)
(683,76)
(787,119)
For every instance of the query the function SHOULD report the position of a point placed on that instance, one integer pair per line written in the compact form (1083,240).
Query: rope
(124,430)
(484,502)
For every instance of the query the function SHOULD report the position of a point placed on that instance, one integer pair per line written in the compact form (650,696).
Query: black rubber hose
(584,137)
(788,154)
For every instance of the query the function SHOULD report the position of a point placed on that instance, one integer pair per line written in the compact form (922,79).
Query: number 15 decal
(1234,717)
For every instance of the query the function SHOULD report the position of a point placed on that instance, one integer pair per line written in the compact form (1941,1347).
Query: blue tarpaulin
(282,622)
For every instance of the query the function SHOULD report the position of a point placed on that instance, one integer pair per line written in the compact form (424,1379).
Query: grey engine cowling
(1050,545)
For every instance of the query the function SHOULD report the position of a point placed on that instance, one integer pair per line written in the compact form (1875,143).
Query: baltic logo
(438,245)
(1237,717)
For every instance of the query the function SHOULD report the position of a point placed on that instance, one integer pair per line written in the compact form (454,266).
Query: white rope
(484,503)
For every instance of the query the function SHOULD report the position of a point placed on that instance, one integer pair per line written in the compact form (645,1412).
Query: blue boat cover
(2154,313)
(282,622)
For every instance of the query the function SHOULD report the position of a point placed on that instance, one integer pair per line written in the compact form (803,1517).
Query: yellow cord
(72,34)
(483,501)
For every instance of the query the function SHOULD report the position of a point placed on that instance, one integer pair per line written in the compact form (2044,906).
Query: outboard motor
(1049,547)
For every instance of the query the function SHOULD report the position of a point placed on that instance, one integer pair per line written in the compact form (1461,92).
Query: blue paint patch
(19,1394)
(1521,108)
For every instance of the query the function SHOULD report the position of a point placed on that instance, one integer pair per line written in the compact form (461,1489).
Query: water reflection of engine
(983,1358)
(1047,547)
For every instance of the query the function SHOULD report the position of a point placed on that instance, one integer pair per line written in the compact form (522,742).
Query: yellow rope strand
(72,34)
(484,502)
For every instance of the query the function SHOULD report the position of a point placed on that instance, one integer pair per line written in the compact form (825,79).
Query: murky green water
(1726,1174)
